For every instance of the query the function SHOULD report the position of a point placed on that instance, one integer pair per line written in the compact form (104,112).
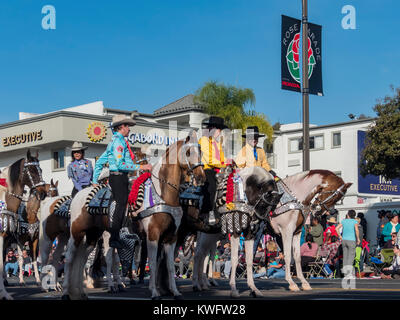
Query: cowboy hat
(214,122)
(78,146)
(332,220)
(121,119)
(253,132)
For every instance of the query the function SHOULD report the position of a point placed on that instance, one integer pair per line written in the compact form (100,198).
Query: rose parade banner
(290,56)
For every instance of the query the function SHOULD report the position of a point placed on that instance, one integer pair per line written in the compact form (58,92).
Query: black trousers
(120,191)
(209,191)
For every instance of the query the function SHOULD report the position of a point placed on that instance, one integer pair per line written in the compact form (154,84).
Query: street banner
(291,53)
(315,59)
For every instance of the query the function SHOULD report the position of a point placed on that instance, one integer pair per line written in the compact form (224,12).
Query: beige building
(52,134)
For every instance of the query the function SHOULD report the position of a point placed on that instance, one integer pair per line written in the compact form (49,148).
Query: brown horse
(20,174)
(29,230)
(179,159)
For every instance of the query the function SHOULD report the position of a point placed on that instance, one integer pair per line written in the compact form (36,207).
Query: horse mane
(14,173)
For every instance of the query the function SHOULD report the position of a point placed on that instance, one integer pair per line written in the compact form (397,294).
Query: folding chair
(317,266)
(387,256)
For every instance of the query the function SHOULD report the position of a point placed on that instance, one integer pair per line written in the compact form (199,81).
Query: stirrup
(211,218)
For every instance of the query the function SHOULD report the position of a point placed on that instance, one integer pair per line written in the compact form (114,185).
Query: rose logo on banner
(292,58)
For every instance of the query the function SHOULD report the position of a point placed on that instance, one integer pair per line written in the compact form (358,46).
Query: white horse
(313,191)
(207,242)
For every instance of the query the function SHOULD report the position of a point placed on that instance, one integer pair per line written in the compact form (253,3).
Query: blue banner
(374,184)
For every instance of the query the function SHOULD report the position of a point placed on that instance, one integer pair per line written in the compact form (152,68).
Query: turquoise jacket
(117,155)
(387,231)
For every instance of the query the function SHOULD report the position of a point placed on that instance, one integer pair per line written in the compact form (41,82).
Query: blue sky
(145,54)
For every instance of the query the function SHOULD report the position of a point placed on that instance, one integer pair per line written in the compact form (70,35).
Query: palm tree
(235,105)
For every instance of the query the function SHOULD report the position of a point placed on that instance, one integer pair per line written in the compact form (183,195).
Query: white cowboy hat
(121,119)
(332,220)
(78,146)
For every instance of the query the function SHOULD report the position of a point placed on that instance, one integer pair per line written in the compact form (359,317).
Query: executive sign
(22,138)
(374,184)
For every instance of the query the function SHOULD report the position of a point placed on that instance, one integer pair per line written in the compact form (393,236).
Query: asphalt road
(273,289)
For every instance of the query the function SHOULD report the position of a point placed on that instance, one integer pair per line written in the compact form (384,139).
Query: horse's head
(32,176)
(52,189)
(189,158)
(261,190)
(329,192)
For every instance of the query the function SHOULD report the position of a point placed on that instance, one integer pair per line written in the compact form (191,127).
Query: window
(58,159)
(316,143)
(336,139)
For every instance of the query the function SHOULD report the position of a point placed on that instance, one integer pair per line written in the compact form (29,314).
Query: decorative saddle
(62,207)
(236,214)
(99,200)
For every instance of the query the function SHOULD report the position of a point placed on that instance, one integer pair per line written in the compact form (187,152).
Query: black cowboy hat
(253,132)
(214,122)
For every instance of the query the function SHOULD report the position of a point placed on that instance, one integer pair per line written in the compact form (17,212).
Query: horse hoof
(156,298)
(306,287)
(178,297)
(294,288)
(256,294)
(235,294)
(112,290)
(65,297)
(121,288)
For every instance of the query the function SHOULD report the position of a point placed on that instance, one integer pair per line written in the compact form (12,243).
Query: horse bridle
(190,167)
(197,164)
(264,197)
(28,173)
(322,204)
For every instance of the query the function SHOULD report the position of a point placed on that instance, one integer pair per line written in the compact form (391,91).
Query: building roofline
(325,126)
(70,114)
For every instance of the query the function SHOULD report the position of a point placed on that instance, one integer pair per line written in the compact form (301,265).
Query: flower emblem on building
(96,131)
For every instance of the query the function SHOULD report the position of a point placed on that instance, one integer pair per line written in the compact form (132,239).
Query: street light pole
(305,89)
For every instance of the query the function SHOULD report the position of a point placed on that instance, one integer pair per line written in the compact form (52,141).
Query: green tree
(235,105)
(381,155)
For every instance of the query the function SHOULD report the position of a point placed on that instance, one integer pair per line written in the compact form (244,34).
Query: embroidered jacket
(117,155)
(246,158)
(212,153)
(80,171)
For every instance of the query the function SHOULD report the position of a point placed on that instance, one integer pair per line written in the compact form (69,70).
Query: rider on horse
(213,159)
(120,159)
(251,155)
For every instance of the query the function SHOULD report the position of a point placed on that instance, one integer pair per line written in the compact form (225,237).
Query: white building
(335,147)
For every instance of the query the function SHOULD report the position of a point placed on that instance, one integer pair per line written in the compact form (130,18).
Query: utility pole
(305,89)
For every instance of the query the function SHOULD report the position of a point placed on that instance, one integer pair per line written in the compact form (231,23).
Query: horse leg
(287,236)
(85,250)
(68,268)
(115,270)
(197,261)
(169,255)
(204,277)
(34,251)
(108,255)
(234,263)
(21,265)
(4,295)
(152,247)
(211,266)
(297,258)
(249,245)
(62,242)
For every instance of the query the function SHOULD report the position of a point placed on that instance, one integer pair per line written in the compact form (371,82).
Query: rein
(321,204)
